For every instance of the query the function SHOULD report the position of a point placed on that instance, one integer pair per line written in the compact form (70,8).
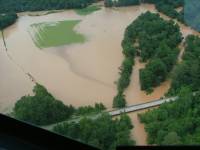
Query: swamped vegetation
(168,7)
(155,41)
(118,3)
(49,34)
(88,10)
(178,122)
(102,132)
(158,41)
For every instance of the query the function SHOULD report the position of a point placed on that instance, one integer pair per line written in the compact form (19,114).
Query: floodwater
(77,74)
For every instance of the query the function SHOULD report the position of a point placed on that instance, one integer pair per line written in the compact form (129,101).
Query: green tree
(119,101)
(42,108)
(171,139)
(102,132)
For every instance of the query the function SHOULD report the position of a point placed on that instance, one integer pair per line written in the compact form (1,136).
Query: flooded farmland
(77,74)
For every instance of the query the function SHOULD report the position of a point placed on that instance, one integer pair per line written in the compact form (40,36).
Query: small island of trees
(157,42)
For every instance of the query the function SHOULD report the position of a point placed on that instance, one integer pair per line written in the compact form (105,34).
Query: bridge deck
(137,107)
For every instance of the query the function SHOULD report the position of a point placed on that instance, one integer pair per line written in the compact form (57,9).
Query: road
(127,109)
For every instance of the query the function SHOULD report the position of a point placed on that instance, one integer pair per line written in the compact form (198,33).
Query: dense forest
(44,109)
(158,42)
(176,122)
(9,8)
(7,20)
(188,72)
(189,14)
(168,7)
(118,3)
(155,41)
(36,5)
(179,122)
(103,132)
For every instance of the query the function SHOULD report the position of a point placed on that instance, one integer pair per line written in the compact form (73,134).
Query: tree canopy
(42,108)
(176,122)
(102,132)
(118,3)
(156,41)
(7,19)
(187,73)
(37,5)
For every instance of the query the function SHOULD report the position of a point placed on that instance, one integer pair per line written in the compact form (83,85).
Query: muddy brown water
(77,74)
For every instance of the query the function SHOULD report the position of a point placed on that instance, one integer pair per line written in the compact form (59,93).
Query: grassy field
(52,34)
(87,10)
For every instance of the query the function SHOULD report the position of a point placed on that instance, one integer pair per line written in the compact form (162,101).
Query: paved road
(127,109)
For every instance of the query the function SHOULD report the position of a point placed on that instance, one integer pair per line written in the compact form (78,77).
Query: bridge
(141,106)
(128,109)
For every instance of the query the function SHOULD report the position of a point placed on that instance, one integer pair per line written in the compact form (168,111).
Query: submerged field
(52,34)
(88,10)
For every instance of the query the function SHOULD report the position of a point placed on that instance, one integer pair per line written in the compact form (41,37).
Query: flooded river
(78,74)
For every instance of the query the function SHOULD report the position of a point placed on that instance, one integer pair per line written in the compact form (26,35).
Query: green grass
(52,34)
(87,10)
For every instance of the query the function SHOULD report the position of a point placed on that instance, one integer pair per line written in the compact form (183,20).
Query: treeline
(9,8)
(187,73)
(38,5)
(44,109)
(7,20)
(155,41)
(175,123)
(168,7)
(118,3)
(189,15)
(179,122)
(103,132)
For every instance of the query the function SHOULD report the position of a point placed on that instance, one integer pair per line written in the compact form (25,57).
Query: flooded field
(77,74)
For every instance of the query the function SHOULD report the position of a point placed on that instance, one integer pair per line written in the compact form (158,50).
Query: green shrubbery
(102,132)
